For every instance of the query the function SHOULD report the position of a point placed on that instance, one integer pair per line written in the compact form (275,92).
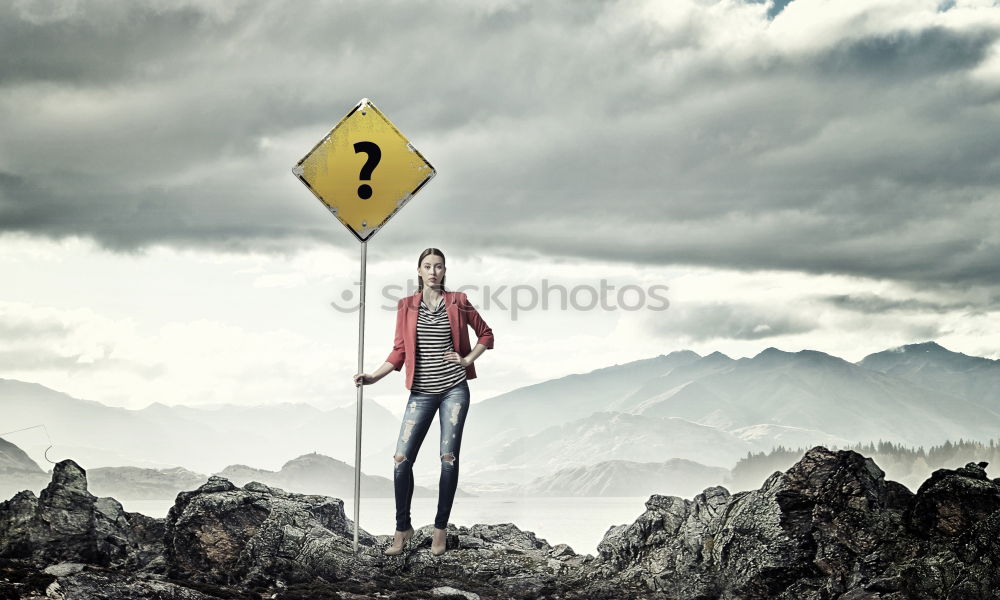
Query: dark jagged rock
(68,523)
(948,505)
(831,527)
(253,536)
(803,531)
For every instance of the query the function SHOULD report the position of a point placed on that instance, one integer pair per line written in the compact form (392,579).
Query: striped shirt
(432,373)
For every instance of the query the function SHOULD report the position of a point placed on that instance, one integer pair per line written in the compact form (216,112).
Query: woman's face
(432,270)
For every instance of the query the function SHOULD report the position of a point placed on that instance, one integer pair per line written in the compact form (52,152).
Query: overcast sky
(812,174)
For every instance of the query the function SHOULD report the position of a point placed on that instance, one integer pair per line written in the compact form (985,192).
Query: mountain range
(744,405)
(711,410)
(308,474)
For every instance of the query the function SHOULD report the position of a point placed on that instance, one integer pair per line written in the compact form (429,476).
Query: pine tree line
(907,465)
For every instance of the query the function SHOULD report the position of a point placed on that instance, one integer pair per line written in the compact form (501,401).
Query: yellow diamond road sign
(364,170)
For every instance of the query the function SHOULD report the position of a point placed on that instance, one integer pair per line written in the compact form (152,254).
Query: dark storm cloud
(875,304)
(727,321)
(98,44)
(906,55)
(570,129)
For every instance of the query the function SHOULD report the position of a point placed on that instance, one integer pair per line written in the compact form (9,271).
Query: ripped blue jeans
(452,405)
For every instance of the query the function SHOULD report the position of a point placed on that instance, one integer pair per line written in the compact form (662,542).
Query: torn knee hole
(399,458)
(448,457)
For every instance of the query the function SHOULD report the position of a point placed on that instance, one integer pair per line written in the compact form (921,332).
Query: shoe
(393,550)
(439,550)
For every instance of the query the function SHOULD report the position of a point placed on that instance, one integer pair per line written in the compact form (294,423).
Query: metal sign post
(363,171)
(361,395)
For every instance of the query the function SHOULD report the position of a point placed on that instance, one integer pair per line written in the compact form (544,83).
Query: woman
(430,326)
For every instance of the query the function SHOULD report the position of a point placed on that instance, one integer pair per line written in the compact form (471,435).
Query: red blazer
(460,315)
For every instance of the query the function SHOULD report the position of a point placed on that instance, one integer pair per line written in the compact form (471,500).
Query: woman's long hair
(425,253)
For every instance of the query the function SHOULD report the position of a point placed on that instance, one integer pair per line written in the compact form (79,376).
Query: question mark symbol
(374,156)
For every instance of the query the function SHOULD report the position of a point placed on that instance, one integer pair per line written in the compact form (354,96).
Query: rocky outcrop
(256,535)
(68,523)
(830,527)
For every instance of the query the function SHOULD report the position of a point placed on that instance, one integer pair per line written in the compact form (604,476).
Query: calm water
(579,522)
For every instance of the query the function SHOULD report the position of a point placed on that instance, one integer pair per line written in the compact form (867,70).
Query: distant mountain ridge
(816,391)
(13,459)
(773,398)
(137,483)
(308,474)
(626,478)
(161,436)
(917,395)
(931,365)
(317,474)
(616,435)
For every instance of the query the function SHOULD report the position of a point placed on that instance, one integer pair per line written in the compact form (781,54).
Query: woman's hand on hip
(455,358)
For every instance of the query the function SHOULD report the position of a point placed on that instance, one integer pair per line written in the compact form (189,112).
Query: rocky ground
(831,527)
